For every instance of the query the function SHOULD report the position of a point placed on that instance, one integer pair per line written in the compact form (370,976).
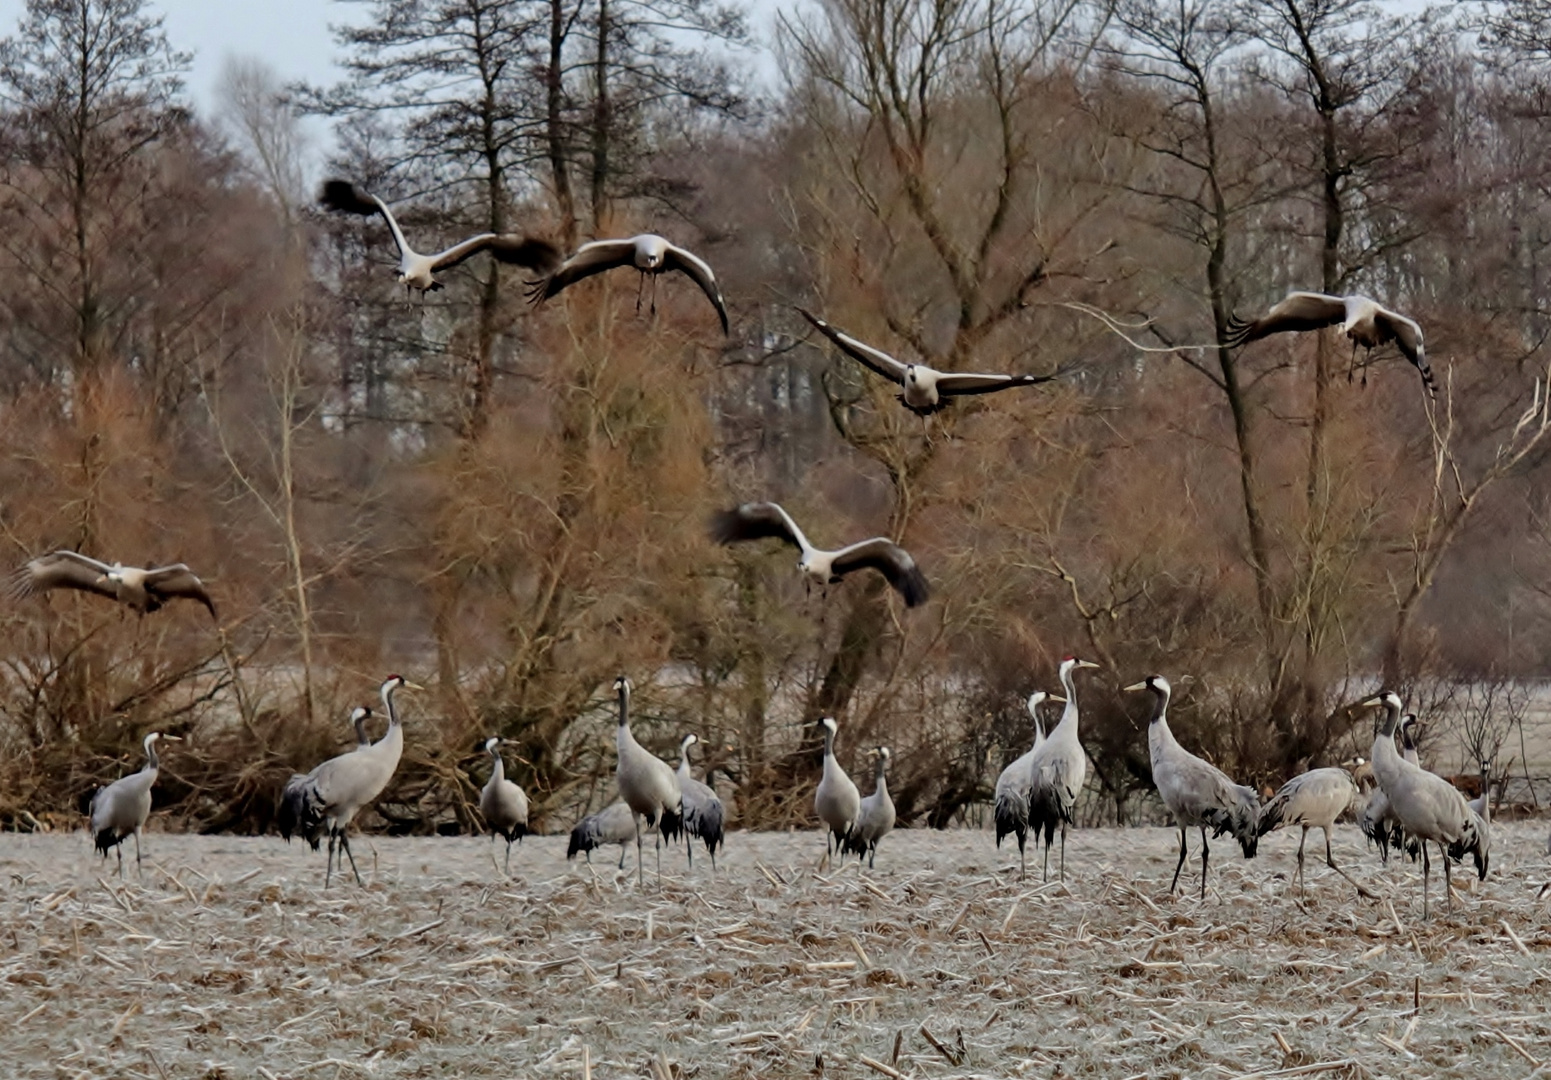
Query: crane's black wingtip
(345,197)
(914,588)
(724,526)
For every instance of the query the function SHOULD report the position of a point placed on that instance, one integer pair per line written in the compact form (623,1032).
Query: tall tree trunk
(555,123)
(601,121)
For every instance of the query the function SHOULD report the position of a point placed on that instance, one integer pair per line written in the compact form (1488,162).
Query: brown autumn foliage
(508,504)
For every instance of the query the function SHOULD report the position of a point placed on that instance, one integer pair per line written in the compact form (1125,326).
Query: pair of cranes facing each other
(852,824)
(1038,792)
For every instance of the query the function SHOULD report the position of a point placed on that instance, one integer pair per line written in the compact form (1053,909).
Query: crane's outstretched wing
(346,198)
(889,559)
(177,580)
(876,360)
(756,521)
(590,259)
(528,251)
(1300,311)
(960,385)
(1407,334)
(62,570)
(699,272)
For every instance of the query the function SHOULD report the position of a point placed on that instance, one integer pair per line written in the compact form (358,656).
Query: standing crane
(647,784)
(1012,787)
(503,804)
(1377,820)
(704,815)
(1430,808)
(1313,800)
(325,800)
(835,800)
(1481,813)
(1058,771)
(614,824)
(120,809)
(1196,793)
(875,818)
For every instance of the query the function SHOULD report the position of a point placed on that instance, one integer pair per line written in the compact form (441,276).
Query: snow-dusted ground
(229,960)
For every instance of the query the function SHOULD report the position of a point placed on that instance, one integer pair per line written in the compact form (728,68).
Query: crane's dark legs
(872,856)
(1301,841)
(344,845)
(1352,366)
(1047,857)
(508,858)
(1330,861)
(1206,852)
(657,847)
(1063,850)
(621,856)
(1021,866)
(639,289)
(328,867)
(139,866)
(1426,872)
(1181,864)
(640,862)
(1448,886)
(118,849)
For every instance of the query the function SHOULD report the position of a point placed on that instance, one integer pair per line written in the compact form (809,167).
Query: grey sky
(291,36)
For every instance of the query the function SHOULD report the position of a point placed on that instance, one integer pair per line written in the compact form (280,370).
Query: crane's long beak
(1137,686)
(170,738)
(1055,697)
(1086,663)
(412,686)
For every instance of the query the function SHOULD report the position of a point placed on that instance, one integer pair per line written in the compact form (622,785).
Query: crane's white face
(912,376)
(622,683)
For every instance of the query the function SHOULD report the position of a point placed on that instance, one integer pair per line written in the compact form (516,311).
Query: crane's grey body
(1481,817)
(704,815)
(1058,771)
(646,783)
(325,800)
(875,816)
(757,521)
(1197,793)
(503,804)
(614,824)
(120,809)
(142,590)
(1012,788)
(417,271)
(835,800)
(1377,820)
(1314,799)
(1430,808)
(650,254)
(925,390)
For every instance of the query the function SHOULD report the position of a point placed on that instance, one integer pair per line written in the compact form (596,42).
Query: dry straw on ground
(228,959)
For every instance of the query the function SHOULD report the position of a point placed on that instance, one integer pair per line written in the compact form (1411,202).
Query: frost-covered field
(229,959)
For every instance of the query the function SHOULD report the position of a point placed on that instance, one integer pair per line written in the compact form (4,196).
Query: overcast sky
(291,36)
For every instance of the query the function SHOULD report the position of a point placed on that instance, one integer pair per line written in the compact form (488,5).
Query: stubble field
(228,959)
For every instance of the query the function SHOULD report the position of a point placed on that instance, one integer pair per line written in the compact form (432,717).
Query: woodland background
(508,504)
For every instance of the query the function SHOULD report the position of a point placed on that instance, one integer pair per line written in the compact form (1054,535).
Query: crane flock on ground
(1036,795)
